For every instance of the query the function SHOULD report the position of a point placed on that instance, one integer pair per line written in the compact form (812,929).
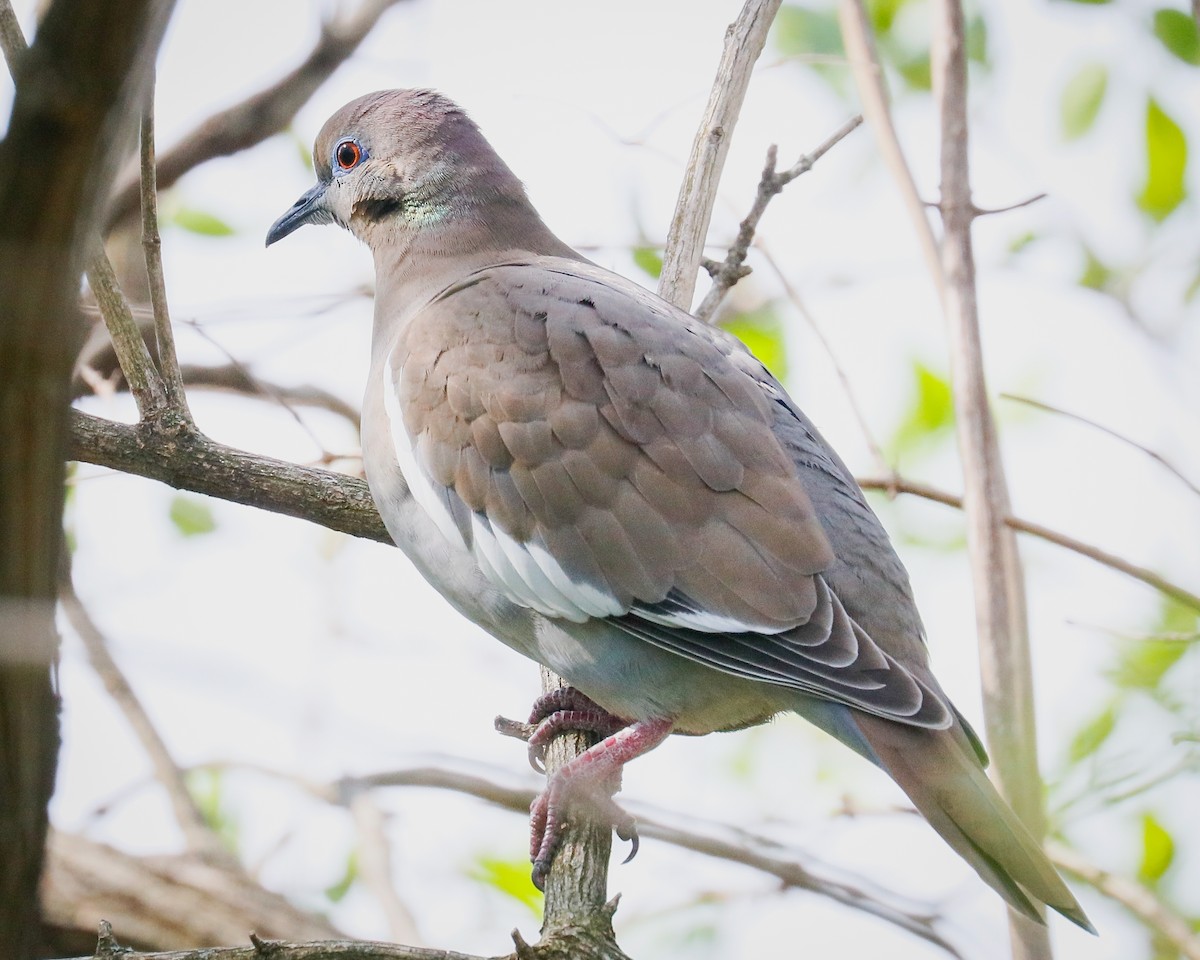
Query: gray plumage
(623,493)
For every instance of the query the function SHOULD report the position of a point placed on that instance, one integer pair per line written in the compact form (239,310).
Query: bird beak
(310,208)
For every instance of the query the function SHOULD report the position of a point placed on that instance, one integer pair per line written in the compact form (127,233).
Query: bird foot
(586,783)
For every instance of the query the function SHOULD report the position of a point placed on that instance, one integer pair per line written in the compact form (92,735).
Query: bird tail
(939,771)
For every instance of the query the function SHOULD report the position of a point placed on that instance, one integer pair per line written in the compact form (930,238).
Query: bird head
(398,161)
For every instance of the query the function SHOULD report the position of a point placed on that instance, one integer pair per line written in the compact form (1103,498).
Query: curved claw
(541,869)
(633,849)
(537,757)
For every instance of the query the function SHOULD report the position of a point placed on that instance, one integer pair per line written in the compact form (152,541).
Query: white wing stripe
(418,481)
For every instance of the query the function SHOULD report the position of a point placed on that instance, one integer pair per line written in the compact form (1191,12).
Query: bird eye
(348,155)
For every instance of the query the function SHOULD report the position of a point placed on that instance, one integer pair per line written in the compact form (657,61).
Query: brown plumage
(625,494)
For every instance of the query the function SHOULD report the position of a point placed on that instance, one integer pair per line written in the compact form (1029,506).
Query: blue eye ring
(347,155)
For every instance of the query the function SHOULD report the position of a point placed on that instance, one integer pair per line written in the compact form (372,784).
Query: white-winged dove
(625,494)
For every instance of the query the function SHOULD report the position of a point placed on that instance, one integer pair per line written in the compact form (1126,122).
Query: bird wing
(606,455)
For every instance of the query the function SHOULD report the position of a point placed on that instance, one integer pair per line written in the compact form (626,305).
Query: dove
(626,495)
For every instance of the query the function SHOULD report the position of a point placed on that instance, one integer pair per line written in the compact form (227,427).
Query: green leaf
(1178,33)
(1081,100)
(915,70)
(1096,275)
(1018,243)
(883,13)
(762,332)
(335,892)
(1092,735)
(977,40)
(1158,850)
(201,222)
(1144,663)
(192,517)
(510,877)
(800,31)
(1166,162)
(930,414)
(205,786)
(648,260)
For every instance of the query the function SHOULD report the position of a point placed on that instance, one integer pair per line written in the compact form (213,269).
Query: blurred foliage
(928,418)
(191,516)
(1166,164)
(1164,43)
(510,877)
(206,786)
(336,891)
(649,261)
(199,221)
(1081,100)
(762,331)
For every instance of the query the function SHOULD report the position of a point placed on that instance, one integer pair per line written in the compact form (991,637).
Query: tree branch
(1137,899)
(168,362)
(74,90)
(744,40)
(184,458)
(1000,610)
(770,184)
(258,117)
(868,77)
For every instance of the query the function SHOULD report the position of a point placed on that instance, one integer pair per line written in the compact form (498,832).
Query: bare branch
(791,867)
(1005,664)
(770,184)
(186,459)
(130,347)
(797,301)
(375,866)
(199,838)
(168,362)
(260,116)
(744,41)
(991,211)
(1153,455)
(1142,902)
(868,76)
(893,483)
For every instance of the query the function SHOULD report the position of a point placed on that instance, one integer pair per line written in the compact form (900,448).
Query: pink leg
(583,779)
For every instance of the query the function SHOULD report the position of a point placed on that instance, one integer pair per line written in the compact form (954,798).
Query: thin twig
(792,867)
(992,211)
(168,362)
(344,503)
(375,866)
(770,184)
(261,115)
(144,382)
(798,302)
(894,483)
(132,353)
(1142,902)
(744,40)
(868,76)
(1153,455)
(196,832)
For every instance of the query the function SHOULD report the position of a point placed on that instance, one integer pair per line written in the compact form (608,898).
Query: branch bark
(744,40)
(74,91)
(1000,613)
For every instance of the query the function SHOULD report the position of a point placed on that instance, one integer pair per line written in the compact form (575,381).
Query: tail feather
(939,771)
